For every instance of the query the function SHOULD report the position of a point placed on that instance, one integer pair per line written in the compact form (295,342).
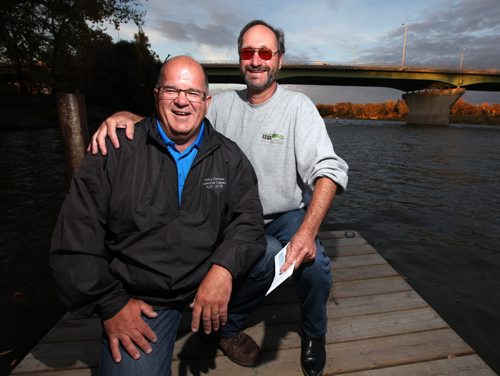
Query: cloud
(442,34)
(207,32)
(339,32)
(211,34)
(357,31)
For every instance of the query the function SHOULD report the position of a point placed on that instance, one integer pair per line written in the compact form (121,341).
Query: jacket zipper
(157,182)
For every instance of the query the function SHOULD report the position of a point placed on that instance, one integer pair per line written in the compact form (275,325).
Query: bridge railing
(358,65)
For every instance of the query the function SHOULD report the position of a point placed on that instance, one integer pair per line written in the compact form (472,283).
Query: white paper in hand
(279,278)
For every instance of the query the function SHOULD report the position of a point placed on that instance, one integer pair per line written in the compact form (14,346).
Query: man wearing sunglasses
(285,138)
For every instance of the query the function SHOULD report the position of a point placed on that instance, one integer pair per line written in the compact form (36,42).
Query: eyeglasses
(192,95)
(264,53)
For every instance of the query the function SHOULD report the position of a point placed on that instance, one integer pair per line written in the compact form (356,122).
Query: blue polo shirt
(182,160)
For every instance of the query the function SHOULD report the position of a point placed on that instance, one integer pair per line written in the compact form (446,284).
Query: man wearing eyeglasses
(171,218)
(283,135)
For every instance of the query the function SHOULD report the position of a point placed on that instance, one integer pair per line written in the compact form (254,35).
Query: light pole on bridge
(404,46)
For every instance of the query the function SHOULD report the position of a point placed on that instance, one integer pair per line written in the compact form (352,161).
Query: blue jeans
(312,280)
(248,293)
(159,362)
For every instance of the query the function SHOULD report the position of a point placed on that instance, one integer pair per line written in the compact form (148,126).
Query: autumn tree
(389,110)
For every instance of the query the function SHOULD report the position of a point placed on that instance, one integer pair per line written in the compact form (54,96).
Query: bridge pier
(431,107)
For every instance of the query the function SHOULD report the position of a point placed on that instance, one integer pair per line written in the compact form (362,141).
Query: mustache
(257,69)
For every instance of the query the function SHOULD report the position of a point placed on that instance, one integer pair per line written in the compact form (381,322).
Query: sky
(439,33)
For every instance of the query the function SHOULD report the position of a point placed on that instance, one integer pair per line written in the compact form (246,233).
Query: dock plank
(359,260)
(367,305)
(343,289)
(461,366)
(78,329)
(363,272)
(378,326)
(353,250)
(60,356)
(88,329)
(64,372)
(343,357)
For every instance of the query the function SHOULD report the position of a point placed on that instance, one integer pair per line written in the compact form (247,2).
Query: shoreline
(486,121)
(33,123)
(38,112)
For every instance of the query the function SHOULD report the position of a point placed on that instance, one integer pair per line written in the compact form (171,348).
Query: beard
(272,75)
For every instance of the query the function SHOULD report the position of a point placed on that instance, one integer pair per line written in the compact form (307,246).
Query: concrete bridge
(428,92)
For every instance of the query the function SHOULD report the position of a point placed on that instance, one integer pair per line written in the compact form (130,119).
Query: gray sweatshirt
(286,141)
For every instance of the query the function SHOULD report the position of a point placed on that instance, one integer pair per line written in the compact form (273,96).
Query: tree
(123,75)
(50,34)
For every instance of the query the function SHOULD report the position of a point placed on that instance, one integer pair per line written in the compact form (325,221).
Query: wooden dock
(378,326)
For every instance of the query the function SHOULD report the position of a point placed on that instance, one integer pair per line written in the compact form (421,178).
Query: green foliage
(123,75)
(47,41)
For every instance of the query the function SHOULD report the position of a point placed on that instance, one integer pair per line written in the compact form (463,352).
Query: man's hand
(122,119)
(211,300)
(302,248)
(128,328)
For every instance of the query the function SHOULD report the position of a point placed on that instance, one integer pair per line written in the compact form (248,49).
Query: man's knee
(151,364)
(159,362)
(273,246)
(317,273)
(264,268)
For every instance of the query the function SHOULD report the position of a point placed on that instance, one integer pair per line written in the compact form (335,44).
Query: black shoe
(312,355)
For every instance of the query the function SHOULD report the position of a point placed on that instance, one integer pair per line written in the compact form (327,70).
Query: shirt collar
(169,142)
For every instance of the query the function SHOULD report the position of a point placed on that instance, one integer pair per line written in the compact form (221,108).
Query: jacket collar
(209,141)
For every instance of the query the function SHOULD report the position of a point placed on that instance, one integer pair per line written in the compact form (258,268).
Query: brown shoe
(242,349)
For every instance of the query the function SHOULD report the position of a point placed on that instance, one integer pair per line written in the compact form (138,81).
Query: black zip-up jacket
(122,233)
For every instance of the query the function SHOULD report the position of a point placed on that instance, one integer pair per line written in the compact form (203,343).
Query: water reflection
(31,190)
(428,198)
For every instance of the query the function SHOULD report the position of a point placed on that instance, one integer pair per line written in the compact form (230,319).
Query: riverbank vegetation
(461,112)
(35,111)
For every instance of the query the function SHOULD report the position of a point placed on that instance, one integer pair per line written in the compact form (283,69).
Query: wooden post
(75,134)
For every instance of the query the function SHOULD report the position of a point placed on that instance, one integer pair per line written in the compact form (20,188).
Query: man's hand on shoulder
(211,301)
(121,119)
(128,328)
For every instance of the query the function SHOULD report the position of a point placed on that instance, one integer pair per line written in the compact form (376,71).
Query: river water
(428,199)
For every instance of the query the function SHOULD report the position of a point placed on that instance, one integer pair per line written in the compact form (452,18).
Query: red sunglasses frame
(264,53)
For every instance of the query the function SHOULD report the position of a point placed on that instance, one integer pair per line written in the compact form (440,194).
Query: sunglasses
(264,53)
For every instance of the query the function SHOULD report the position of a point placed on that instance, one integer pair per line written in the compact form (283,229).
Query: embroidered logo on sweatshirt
(273,138)
(214,183)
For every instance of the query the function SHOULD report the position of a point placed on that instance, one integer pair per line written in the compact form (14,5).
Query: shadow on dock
(378,326)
